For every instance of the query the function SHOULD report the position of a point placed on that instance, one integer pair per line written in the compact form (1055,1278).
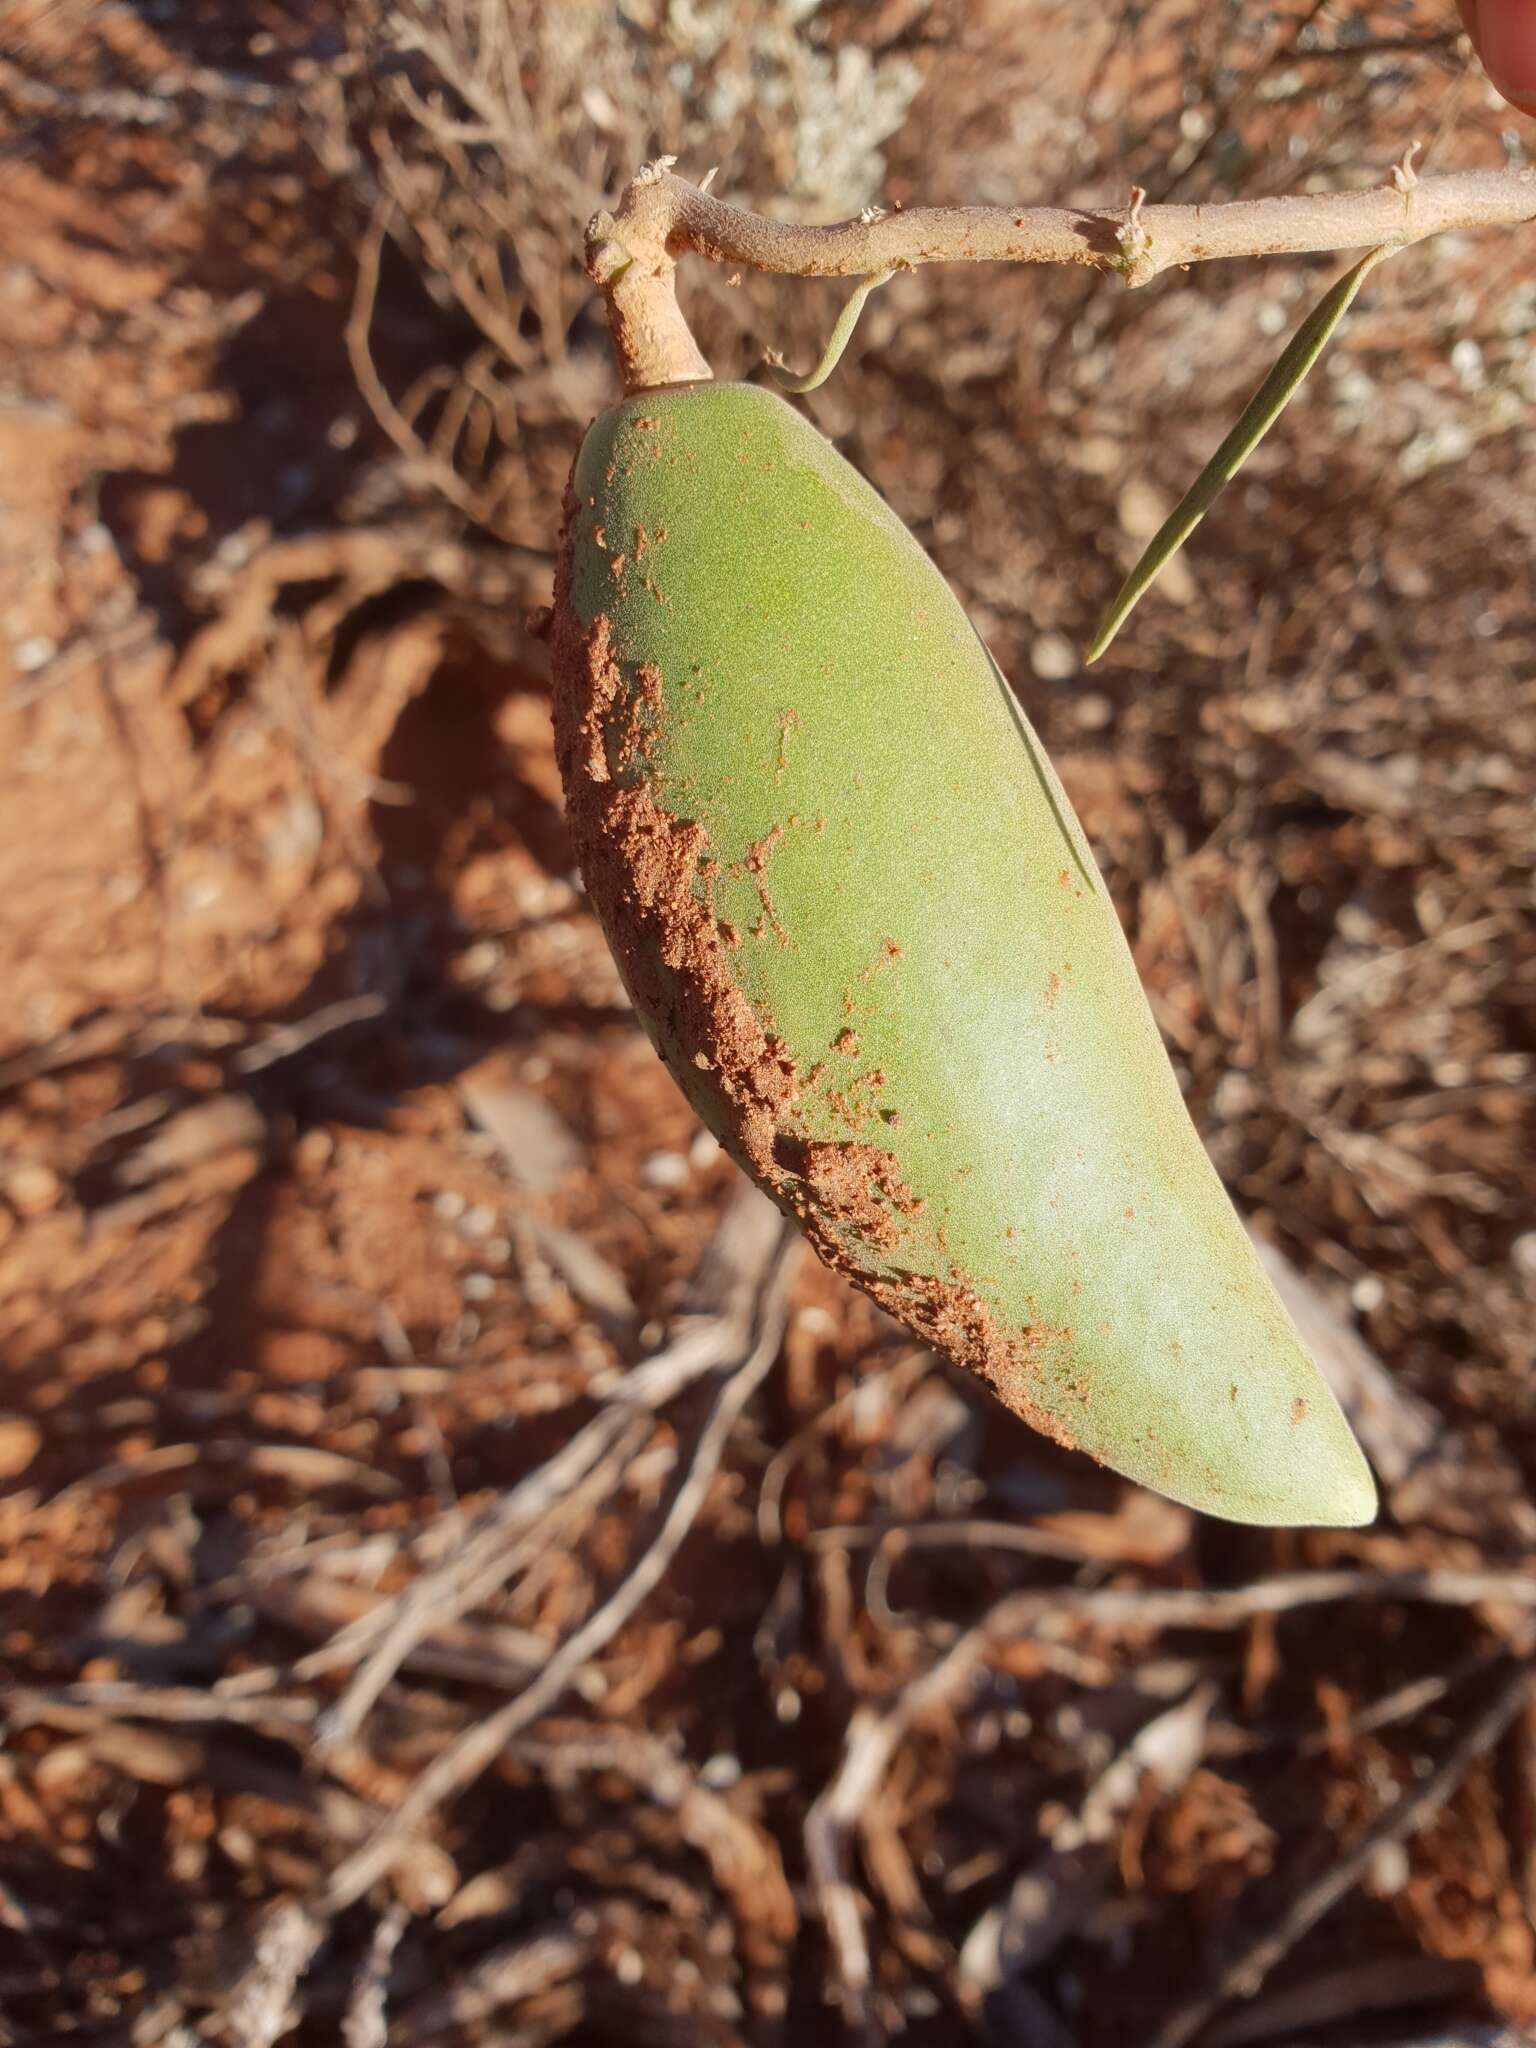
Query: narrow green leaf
(840,337)
(1259,415)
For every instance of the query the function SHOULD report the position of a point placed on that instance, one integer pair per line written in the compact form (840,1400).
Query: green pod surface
(864,930)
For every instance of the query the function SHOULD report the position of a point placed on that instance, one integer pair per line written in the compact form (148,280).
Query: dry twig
(1051,1894)
(716,1319)
(632,252)
(463,1760)
(366,2024)
(875,1735)
(258,2007)
(512,1972)
(1243,1976)
(744,1859)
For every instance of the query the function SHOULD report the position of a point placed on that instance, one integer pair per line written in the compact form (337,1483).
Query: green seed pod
(863,928)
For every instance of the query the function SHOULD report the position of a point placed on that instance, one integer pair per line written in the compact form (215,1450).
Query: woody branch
(631,252)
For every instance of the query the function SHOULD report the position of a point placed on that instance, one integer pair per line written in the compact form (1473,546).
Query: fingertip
(1505,31)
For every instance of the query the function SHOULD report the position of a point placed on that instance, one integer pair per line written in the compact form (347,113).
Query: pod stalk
(629,260)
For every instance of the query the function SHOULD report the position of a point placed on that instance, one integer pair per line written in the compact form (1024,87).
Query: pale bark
(632,252)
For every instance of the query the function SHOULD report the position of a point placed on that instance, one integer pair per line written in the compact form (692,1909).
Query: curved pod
(863,929)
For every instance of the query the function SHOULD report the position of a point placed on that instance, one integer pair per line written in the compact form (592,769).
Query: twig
(1050,1896)
(1381,46)
(463,1761)
(300,1463)
(875,1735)
(258,2007)
(90,1701)
(285,1040)
(440,474)
(366,2024)
(391,1634)
(442,1648)
(714,1323)
(502,1978)
(1169,236)
(895,1382)
(137,636)
(1397,1428)
(743,1858)
(492,1654)
(895,1541)
(872,1741)
(973,1534)
(1243,1976)
(1113,1607)
(631,252)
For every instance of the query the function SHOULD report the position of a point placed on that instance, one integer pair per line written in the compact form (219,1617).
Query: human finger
(1504,35)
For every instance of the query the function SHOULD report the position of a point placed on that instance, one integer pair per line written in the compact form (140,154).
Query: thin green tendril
(840,337)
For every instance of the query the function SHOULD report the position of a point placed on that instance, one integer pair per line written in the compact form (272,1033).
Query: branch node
(1135,258)
(1404,176)
(607,261)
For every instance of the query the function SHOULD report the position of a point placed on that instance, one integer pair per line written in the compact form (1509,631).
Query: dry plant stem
(742,1855)
(511,1534)
(896,1381)
(257,2009)
(366,2024)
(427,461)
(875,1736)
(89,1702)
(714,1323)
(1244,1975)
(1114,1607)
(631,253)
(463,1761)
(872,1741)
(503,1978)
(977,1534)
